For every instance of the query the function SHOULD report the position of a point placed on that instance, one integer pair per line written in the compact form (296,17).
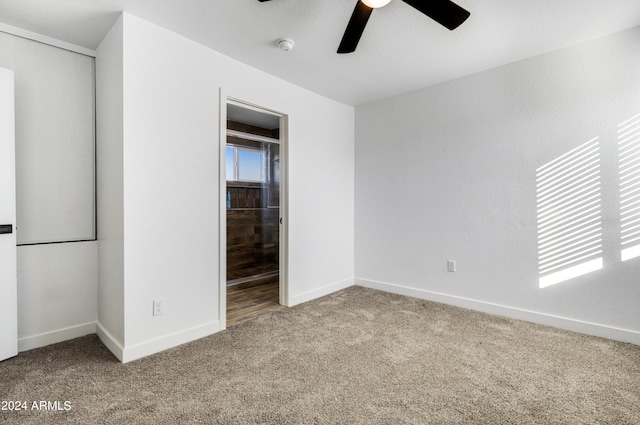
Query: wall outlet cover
(451,265)
(158,307)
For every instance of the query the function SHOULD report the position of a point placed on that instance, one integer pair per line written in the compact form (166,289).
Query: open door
(253,225)
(8,267)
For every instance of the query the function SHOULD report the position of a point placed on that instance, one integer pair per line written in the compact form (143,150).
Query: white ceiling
(401,49)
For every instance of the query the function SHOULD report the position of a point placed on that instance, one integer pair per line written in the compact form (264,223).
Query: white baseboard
(320,292)
(109,341)
(157,345)
(56,336)
(560,322)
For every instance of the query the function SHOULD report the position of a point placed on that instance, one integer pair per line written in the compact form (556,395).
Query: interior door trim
(224,99)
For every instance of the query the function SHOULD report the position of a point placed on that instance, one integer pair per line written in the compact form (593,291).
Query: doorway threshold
(254,280)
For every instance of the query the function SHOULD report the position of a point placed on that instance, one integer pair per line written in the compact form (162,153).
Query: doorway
(254,194)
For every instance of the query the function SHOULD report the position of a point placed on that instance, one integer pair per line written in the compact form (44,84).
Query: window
(231,161)
(245,164)
(250,164)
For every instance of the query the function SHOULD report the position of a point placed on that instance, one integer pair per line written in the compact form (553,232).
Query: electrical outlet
(451,266)
(158,307)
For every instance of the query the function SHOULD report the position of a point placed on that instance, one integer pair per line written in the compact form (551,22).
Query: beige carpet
(355,357)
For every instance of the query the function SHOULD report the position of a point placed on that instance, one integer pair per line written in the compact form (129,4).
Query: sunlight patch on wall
(629,165)
(569,210)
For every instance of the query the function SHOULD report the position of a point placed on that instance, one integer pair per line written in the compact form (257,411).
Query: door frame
(284,292)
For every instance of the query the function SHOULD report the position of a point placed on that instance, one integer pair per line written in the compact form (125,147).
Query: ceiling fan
(444,12)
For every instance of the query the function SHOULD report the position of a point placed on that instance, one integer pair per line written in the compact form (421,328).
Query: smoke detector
(285,44)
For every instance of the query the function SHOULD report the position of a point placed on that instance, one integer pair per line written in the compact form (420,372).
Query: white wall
(448,172)
(170,184)
(57,283)
(109,128)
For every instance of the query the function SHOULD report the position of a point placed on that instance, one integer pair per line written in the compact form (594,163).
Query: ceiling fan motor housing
(445,12)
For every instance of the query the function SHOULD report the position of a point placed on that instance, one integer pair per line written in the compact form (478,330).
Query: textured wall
(170,188)
(449,172)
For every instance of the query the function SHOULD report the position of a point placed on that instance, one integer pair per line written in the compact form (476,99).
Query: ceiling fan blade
(355,28)
(444,12)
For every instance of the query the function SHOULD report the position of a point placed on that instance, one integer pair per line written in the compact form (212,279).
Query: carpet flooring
(357,356)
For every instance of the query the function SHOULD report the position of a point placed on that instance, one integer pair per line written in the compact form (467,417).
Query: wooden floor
(245,303)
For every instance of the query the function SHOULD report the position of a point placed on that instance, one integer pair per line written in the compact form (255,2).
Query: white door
(8,268)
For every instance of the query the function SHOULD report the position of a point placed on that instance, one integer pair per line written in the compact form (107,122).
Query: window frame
(236,163)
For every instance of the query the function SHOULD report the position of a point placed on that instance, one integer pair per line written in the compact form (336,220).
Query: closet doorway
(254,205)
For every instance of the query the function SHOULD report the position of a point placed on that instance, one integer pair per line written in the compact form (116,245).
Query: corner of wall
(109,142)
(109,341)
